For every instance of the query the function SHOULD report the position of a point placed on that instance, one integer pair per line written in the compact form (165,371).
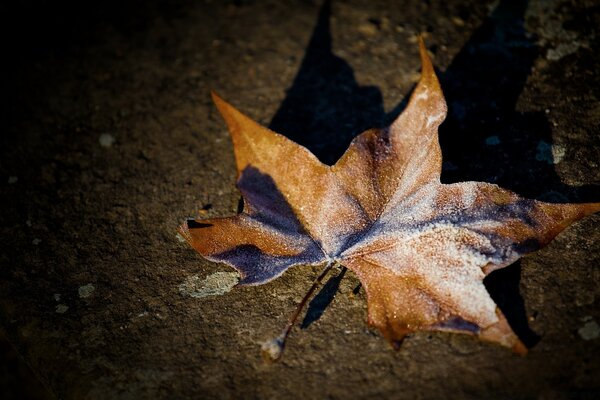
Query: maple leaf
(420,248)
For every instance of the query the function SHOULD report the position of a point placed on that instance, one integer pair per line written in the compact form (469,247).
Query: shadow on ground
(484,137)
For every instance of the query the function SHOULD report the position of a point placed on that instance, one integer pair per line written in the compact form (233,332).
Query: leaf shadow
(503,287)
(484,137)
(265,203)
(322,300)
(262,198)
(325,107)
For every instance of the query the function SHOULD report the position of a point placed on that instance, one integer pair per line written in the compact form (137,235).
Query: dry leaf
(420,248)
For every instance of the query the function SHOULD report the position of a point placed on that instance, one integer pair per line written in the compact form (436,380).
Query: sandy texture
(110,141)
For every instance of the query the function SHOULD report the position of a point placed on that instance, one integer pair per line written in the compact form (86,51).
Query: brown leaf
(420,248)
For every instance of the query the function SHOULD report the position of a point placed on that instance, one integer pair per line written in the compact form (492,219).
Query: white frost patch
(590,330)
(447,260)
(558,152)
(422,96)
(180,238)
(12,179)
(215,284)
(434,118)
(106,140)
(61,308)
(85,291)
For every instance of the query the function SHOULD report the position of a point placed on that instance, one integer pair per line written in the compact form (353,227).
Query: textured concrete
(110,140)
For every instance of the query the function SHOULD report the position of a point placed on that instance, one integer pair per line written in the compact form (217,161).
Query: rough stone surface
(106,216)
(216,284)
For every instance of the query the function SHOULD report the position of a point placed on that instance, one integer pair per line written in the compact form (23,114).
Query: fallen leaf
(420,248)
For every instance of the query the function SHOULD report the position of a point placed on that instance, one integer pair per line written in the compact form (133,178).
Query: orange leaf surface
(420,248)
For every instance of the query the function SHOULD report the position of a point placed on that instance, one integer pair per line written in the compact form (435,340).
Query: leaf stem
(272,350)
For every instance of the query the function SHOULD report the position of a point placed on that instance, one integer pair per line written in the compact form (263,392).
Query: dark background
(94,284)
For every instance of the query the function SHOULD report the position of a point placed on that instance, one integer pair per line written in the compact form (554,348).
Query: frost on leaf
(420,248)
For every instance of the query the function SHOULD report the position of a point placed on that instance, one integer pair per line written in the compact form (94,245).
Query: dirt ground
(110,140)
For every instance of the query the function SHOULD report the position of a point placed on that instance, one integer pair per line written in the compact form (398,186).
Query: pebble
(589,331)
(12,179)
(85,291)
(368,30)
(215,284)
(106,140)
(36,241)
(61,308)
(492,141)
(458,21)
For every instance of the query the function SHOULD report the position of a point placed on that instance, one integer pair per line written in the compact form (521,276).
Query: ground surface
(110,140)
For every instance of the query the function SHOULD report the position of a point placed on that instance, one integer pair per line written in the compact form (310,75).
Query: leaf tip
(221,104)
(238,123)
(520,349)
(426,65)
(591,208)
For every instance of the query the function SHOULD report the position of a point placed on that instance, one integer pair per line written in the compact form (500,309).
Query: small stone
(272,349)
(458,21)
(56,296)
(589,331)
(106,140)
(216,284)
(61,308)
(558,152)
(492,141)
(562,50)
(368,29)
(12,179)
(36,241)
(85,291)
